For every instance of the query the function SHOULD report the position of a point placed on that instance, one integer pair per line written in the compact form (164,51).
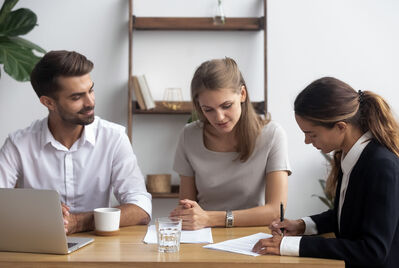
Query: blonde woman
(233,164)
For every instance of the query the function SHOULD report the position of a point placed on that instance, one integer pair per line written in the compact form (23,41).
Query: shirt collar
(87,135)
(349,160)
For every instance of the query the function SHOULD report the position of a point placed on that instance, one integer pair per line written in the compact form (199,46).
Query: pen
(282,215)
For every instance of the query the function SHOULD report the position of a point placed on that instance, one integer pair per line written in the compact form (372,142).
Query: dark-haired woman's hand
(290,227)
(268,245)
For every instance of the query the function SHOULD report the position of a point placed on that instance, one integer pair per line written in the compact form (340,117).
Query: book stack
(143,93)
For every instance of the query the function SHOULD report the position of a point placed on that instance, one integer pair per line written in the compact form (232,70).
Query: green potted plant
(16,53)
(327,199)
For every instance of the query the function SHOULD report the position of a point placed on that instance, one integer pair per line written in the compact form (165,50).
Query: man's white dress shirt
(100,161)
(290,244)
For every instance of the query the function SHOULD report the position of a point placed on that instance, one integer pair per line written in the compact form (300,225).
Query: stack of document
(198,236)
(241,245)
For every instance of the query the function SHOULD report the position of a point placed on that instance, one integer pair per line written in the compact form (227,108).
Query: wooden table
(128,250)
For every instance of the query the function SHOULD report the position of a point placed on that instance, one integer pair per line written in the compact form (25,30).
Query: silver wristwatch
(229,219)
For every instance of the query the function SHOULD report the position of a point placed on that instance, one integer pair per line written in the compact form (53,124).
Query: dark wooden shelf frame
(191,24)
(197,24)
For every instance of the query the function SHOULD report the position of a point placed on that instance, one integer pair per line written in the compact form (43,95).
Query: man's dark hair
(55,64)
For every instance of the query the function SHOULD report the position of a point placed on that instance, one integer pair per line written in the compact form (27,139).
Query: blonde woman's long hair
(224,73)
(328,100)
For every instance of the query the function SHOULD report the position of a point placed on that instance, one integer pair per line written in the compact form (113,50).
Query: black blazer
(369,230)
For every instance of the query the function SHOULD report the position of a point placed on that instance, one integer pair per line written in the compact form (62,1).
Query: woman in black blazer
(361,130)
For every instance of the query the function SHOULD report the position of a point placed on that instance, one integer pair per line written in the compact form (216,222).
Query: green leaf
(27,44)
(18,22)
(322,184)
(6,8)
(328,157)
(18,61)
(325,201)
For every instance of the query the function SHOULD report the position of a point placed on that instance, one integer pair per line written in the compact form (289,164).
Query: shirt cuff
(143,201)
(290,246)
(311,228)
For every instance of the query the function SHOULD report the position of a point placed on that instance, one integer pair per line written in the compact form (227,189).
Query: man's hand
(65,214)
(70,221)
(268,245)
(193,216)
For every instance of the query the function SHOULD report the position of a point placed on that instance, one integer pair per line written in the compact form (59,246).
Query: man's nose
(89,100)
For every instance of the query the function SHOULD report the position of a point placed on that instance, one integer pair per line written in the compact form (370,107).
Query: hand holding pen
(290,227)
(282,216)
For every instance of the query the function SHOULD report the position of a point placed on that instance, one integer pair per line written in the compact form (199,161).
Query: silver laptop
(31,221)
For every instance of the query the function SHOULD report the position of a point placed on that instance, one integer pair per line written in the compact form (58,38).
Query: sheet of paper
(198,236)
(241,245)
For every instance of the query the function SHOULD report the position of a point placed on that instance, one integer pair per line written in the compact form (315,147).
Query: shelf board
(161,107)
(197,24)
(173,194)
(186,108)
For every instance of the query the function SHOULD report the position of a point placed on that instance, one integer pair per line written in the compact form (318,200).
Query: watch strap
(229,219)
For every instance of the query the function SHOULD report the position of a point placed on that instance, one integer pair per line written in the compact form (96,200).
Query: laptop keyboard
(71,244)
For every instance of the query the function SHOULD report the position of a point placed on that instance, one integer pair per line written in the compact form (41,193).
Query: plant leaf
(27,44)
(18,22)
(6,8)
(325,201)
(322,184)
(18,61)
(328,157)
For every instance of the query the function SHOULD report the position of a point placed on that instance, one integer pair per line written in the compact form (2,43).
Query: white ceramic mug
(107,219)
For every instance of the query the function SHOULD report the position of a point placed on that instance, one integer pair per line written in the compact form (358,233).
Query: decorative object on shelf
(16,53)
(219,18)
(137,93)
(172,98)
(145,92)
(159,183)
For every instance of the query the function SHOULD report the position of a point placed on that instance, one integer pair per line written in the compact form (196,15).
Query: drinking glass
(168,234)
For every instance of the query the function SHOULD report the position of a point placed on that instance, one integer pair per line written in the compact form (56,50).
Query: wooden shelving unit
(189,24)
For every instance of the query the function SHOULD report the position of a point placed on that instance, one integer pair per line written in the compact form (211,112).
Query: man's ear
(341,126)
(243,93)
(48,102)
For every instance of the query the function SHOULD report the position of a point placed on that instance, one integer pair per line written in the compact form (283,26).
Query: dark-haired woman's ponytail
(376,116)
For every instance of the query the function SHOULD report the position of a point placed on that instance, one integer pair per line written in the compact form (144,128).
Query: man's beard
(75,120)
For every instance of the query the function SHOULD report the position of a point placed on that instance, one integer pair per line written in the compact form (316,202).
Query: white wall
(355,41)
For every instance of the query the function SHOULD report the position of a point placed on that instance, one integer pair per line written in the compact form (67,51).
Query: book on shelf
(137,92)
(145,91)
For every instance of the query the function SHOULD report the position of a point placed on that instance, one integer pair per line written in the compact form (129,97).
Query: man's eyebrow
(77,94)
(81,93)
